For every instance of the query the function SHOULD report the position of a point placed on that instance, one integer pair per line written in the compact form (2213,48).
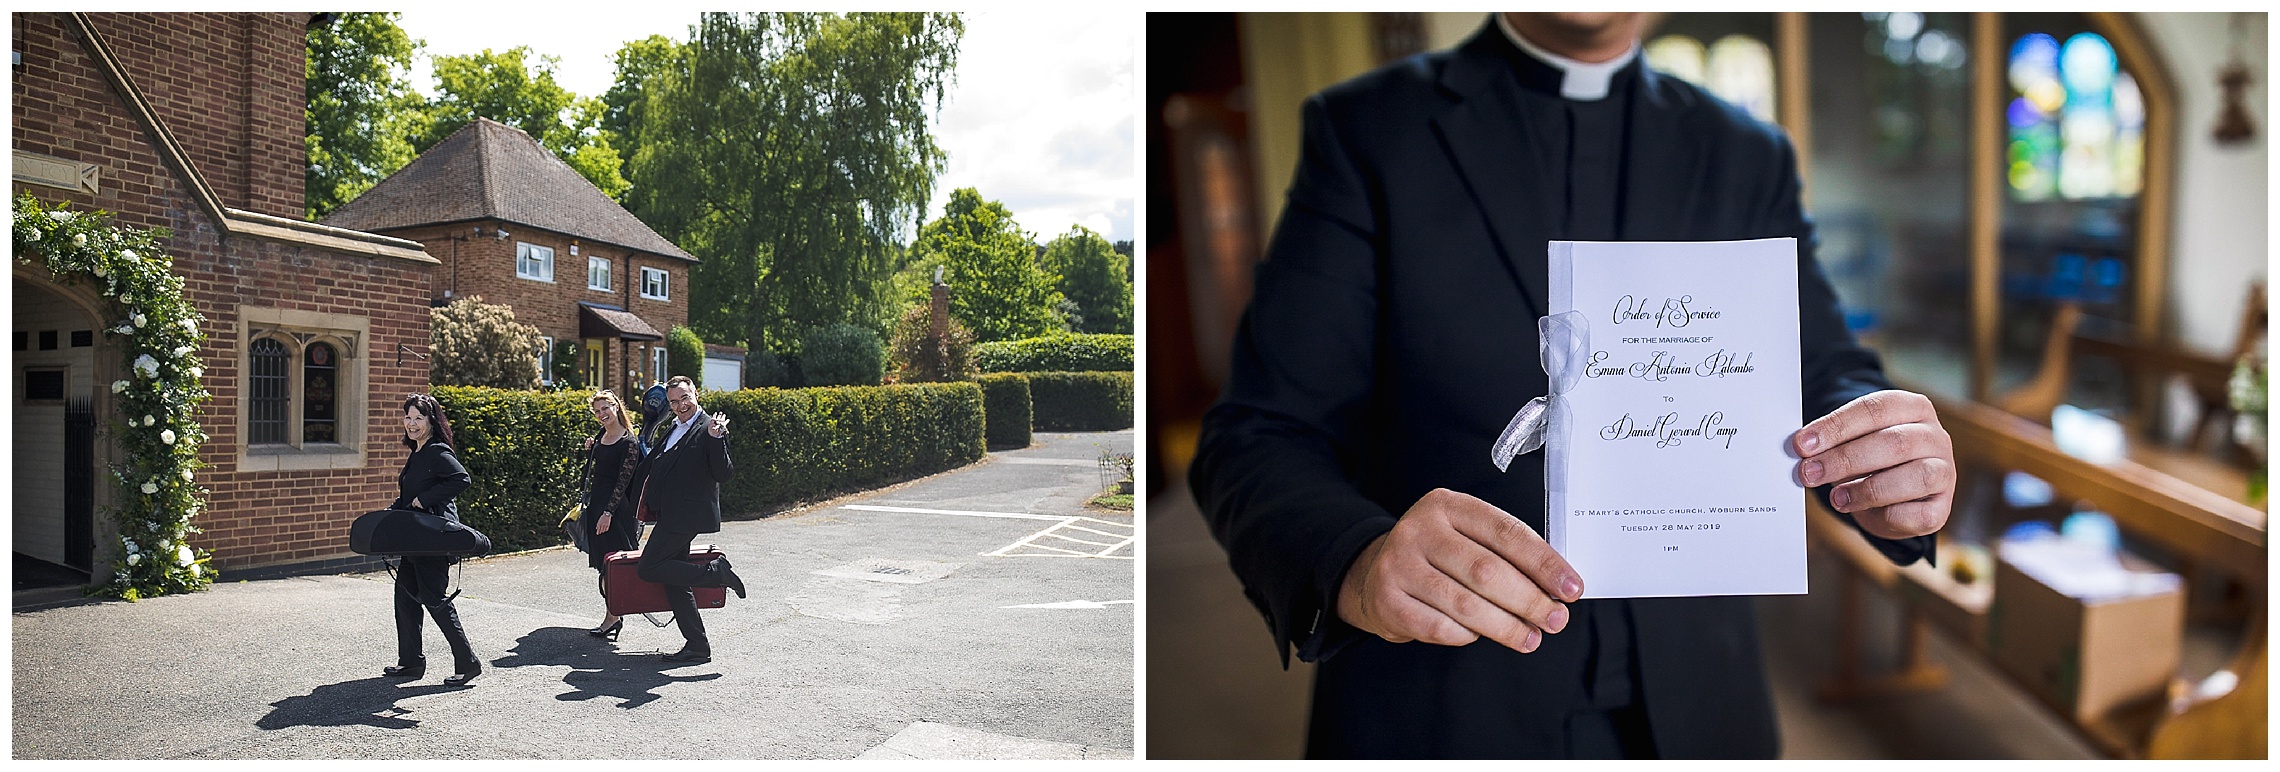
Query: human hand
(719,425)
(1895,462)
(1455,569)
(589,443)
(602,524)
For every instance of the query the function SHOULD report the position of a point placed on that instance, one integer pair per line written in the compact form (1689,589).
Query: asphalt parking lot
(979,613)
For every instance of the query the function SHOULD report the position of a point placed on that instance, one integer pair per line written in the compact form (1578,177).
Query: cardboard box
(2084,658)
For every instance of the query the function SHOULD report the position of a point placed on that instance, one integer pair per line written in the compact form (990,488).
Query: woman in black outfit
(431,478)
(613,485)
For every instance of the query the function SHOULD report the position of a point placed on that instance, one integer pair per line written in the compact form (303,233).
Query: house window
(265,418)
(534,262)
(598,273)
(657,364)
(546,360)
(653,284)
(320,385)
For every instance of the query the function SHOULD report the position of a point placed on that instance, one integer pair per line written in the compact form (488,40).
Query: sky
(1041,116)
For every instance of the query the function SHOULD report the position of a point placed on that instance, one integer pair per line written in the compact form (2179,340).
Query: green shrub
(684,354)
(763,369)
(1080,402)
(843,355)
(917,356)
(1005,404)
(474,343)
(522,450)
(792,445)
(1056,354)
(567,373)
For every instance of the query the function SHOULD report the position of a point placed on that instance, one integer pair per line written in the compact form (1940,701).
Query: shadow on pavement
(597,669)
(365,701)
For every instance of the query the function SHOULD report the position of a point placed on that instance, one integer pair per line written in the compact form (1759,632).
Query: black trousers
(421,582)
(663,561)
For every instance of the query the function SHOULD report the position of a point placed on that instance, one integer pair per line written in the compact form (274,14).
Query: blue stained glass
(2023,113)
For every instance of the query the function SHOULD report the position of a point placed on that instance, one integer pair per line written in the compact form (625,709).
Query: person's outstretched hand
(1893,462)
(1456,569)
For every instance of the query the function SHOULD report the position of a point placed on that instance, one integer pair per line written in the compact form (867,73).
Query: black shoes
(462,677)
(728,577)
(609,633)
(690,654)
(400,671)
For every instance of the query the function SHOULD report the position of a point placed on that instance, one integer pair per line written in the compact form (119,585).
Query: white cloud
(1040,116)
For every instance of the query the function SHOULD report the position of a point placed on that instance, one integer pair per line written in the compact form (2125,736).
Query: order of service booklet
(1675,476)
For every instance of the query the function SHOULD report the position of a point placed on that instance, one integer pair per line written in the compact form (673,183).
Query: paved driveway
(979,613)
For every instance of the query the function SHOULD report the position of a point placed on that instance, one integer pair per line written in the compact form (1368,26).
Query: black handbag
(403,532)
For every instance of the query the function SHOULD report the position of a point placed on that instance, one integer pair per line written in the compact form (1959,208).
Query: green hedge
(1056,354)
(1005,402)
(1080,402)
(523,448)
(793,445)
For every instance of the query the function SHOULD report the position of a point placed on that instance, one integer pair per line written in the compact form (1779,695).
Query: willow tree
(790,153)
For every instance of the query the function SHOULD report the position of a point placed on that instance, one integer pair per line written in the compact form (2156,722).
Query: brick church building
(193,122)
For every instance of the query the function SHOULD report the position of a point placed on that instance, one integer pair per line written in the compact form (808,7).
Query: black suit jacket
(432,476)
(684,480)
(1392,335)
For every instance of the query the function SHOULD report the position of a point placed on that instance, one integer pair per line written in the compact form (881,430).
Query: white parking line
(1061,522)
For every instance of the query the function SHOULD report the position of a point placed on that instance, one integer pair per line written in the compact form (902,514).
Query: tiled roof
(596,321)
(489,170)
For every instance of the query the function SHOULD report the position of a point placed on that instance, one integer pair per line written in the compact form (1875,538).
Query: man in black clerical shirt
(1392,335)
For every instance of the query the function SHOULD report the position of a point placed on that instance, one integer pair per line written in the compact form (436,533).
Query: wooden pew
(2211,528)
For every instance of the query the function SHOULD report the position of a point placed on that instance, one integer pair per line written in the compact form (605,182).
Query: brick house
(511,223)
(193,122)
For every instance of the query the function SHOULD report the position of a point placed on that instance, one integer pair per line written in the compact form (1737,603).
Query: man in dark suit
(1392,335)
(685,473)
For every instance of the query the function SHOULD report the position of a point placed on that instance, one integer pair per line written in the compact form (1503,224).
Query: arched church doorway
(56,377)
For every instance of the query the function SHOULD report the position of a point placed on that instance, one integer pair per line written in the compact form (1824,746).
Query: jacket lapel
(1664,163)
(1487,139)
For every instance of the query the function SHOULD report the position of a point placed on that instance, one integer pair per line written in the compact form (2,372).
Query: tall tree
(362,112)
(997,287)
(790,154)
(639,63)
(1095,277)
(504,86)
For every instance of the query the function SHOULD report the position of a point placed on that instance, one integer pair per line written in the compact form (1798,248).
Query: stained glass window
(2077,122)
(265,423)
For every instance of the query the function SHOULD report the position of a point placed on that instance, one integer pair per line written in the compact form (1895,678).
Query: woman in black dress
(432,477)
(611,491)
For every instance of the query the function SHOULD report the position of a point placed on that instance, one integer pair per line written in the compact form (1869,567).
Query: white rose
(133,559)
(183,555)
(148,421)
(197,372)
(197,570)
(100,271)
(118,386)
(35,234)
(187,476)
(149,488)
(60,216)
(131,548)
(181,350)
(127,253)
(147,366)
(79,239)
(140,320)
(190,325)
(166,436)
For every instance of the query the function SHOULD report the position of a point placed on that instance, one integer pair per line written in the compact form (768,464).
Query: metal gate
(79,483)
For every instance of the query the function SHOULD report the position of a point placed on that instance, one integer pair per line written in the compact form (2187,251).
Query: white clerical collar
(1582,81)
